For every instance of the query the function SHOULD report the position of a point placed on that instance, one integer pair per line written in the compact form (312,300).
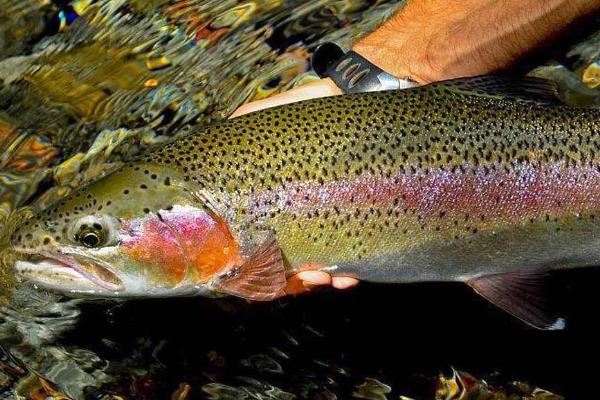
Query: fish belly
(517,248)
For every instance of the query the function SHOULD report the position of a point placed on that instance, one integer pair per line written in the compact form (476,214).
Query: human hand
(309,280)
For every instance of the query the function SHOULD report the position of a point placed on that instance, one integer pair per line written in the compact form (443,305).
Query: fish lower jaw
(55,276)
(52,274)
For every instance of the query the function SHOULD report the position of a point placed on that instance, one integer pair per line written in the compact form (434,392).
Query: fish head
(136,232)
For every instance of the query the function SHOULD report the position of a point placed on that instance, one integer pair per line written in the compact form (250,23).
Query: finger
(321,88)
(306,281)
(314,278)
(343,282)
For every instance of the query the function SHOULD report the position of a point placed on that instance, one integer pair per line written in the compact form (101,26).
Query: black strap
(351,72)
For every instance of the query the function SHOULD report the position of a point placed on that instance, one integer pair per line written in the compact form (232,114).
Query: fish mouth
(69,272)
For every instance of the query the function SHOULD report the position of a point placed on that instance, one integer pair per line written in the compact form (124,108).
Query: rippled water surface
(85,83)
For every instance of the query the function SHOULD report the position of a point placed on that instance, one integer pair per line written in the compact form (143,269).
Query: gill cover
(181,243)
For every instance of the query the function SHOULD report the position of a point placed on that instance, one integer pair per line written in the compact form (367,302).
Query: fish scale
(357,176)
(483,180)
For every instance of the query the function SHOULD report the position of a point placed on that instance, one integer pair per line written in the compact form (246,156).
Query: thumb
(321,88)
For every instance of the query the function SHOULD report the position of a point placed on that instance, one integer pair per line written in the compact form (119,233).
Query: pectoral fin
(260,278)
(520,294)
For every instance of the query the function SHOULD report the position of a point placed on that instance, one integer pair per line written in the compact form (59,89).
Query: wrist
(393,48)
(435,40)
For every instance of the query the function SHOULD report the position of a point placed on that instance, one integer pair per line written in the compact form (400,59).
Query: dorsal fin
(528,89)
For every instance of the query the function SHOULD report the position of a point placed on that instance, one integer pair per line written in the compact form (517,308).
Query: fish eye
(91,231)
(90,239)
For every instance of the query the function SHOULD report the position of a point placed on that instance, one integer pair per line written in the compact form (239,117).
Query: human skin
(433,40)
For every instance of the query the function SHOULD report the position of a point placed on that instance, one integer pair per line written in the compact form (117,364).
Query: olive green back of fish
(330,176)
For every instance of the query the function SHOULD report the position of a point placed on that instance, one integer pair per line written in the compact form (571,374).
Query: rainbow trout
(477,180)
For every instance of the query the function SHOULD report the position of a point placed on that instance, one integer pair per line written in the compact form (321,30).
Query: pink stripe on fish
(525,191)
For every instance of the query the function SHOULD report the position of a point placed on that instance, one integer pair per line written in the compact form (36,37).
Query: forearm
(432,40)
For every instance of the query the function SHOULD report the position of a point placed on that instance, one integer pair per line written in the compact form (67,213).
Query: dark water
(373,342)
(331,343)
(400,335)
